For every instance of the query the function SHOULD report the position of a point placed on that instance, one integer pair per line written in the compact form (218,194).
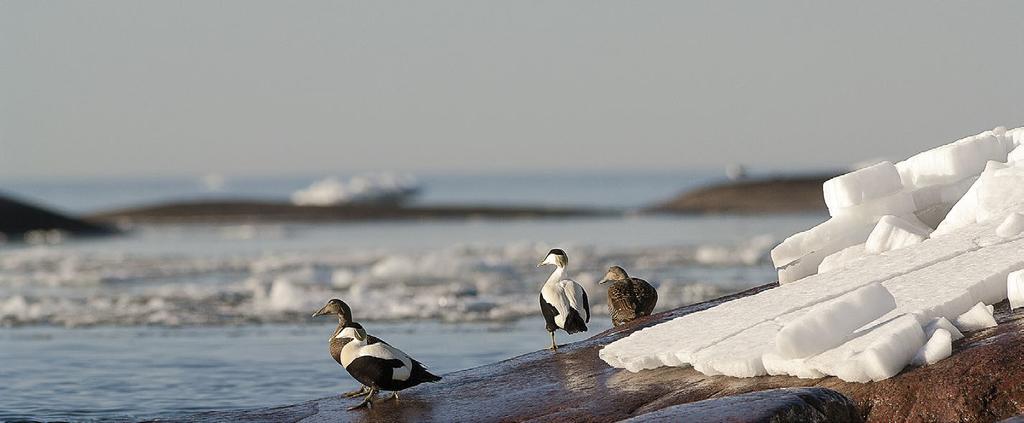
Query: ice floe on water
(914,253)
(382,188)
(64,285)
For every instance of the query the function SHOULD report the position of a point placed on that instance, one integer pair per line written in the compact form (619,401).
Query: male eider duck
(628,298)
(338,308)
(380,366)
(562,301)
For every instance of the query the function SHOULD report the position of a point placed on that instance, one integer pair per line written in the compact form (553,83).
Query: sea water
(170,320)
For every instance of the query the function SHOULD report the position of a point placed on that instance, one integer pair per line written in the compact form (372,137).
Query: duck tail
(420,373)
(575,323)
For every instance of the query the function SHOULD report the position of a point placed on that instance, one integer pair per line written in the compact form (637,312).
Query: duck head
(615,273)
(556,257)
(336,307)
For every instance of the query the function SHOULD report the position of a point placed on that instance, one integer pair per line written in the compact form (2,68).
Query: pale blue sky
(106,88)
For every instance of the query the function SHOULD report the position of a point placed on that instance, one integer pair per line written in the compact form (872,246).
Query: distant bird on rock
(563,302)
(628,298)
(374,363)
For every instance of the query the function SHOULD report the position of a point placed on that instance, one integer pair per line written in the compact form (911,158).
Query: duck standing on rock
(628,298)
(563,302)
(371,361)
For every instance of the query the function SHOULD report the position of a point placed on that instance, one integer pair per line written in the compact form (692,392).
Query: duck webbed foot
(367,402)
(361,391)
(394,396)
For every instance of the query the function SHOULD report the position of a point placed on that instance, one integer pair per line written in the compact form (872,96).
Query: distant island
(747,196)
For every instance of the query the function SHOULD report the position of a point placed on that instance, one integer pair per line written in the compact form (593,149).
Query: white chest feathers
(380,351)
(563,295)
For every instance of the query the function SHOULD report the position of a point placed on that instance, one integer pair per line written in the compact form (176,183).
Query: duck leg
(367,402)
(394,396)
(554,347)
(361,391)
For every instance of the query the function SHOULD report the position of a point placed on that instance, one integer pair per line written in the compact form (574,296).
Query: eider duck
(628,298)
(336,342)
(378,365)
(563,301)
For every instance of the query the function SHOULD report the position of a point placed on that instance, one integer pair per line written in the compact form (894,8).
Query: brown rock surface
(242,211)
(774,195)
(18,218)
(980,382)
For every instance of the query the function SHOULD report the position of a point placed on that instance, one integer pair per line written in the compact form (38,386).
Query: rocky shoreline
(257,211)
(18,218)
(802,195)
(981,381)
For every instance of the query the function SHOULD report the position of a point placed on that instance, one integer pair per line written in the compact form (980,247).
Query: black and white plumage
(628,298)
(563,302)
(380,366)
(410,373)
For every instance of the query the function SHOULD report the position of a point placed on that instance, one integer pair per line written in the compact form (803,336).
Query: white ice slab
(951,162)
(891,233)
(999,190)
(977,318)
(933,202)
(942,323)
(1016,155)
(832,235)
(775,365)
(1015,289)
(738,355)
(898,203)
(829,324)
(1012,225)
(862,185)
(938,347)
(876,354)
(842,258)
(674,342)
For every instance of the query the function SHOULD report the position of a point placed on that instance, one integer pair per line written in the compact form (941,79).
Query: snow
(861,293)
(893,232)
(862,185)
(977,318)
(938,347)
(832,323)
(1012,226)
(1015,289)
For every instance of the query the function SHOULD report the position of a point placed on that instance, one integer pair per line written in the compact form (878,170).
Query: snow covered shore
(911,248)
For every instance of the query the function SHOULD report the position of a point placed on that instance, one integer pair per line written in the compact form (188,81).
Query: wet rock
(806,405)
(982,381)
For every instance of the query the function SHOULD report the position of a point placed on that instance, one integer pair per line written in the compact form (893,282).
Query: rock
(18,218)
(801,194)
(981,381)
(775,405)
(235,211)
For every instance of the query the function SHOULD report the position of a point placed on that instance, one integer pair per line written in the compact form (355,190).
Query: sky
(129,88)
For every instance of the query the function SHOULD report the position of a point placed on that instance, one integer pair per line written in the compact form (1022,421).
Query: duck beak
(603,281)
(322,311)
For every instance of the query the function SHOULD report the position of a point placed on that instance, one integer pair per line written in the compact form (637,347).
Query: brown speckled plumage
(628,298)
